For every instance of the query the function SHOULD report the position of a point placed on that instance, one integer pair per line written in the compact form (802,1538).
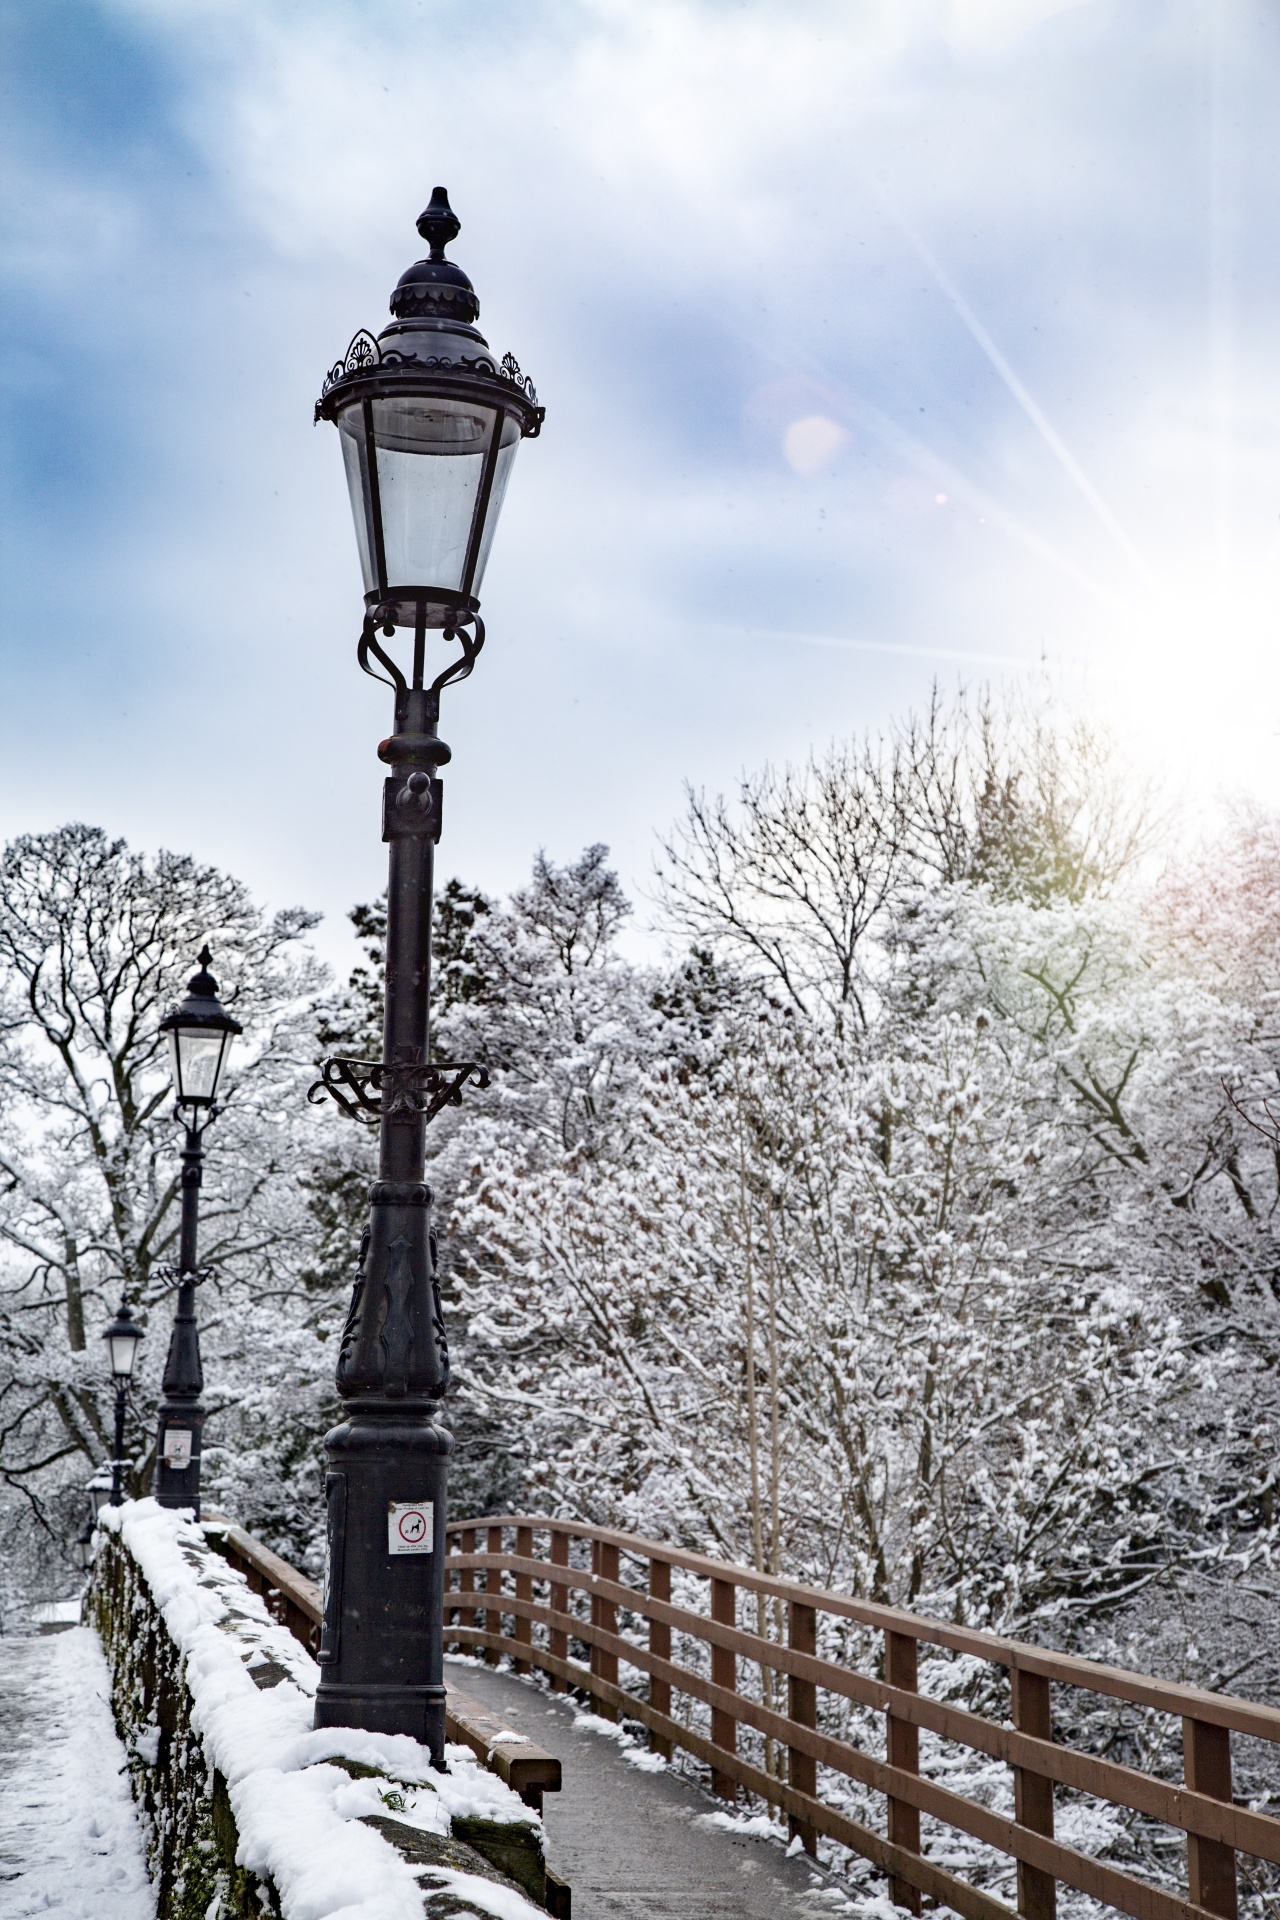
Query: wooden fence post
(559,1604)
(524,1591)
(467,1580)
(1211,1864)
(1032,1792)
(724,1673)
(604,1614)
(492,1585)
(802,1706)
(660,1644)
(902,1744)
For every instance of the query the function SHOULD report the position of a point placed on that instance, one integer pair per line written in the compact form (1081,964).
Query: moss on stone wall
(187,1823)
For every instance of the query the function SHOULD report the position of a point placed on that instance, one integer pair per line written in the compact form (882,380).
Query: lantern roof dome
(436,289)
(201,1007)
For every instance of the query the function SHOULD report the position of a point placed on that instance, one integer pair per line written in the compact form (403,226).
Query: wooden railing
(522,1585)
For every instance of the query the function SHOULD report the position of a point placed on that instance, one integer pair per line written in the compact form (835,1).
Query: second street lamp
(122,1338)
(200,1034)
(429,421)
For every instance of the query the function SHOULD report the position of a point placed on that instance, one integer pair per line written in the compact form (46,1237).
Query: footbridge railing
(583,1603)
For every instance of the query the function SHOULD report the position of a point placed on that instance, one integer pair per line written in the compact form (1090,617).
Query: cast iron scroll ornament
(175,1276)
(470,642)
(365,355)
(408,1091)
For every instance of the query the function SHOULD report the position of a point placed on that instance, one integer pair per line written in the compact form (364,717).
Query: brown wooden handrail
(504,1615)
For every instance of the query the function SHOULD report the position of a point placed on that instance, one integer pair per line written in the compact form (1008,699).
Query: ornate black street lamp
(429,423)
(122,1338)
(200,1034)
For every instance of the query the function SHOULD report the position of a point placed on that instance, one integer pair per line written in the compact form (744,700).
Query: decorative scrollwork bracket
(364,352)
(408,1091)
(175,1277)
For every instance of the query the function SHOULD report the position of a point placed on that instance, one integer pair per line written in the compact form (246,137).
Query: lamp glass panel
(431,454)
(501,475)
(356,460)
(198,1055)
(122,1347)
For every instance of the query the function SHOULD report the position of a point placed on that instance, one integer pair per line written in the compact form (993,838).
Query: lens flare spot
(810,445)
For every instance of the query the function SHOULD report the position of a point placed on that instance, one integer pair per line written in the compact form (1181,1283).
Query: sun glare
(1189,676)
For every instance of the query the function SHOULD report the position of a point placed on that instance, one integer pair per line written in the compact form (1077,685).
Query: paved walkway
(636,1845)
(69,1839)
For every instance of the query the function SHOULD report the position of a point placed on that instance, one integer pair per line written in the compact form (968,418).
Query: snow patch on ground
(753,1826)
(607,1729)
(298,1817)
(70,1843)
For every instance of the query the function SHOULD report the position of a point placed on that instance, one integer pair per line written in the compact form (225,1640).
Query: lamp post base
(381,1653)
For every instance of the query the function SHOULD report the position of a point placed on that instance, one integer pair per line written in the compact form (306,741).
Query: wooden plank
(559,1642)
(724,1675)
(604,1616)
(525,1766)
(660,1645)
(1033,1793)
(1242,1716)
(902,1749)
(1239,1827)
(1211,1867)
(524,1588)
(467,1580)
(493,1585)
(802,1703)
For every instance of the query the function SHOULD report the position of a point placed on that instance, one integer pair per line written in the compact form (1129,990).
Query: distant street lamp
(122,1338)
(84,1547)
(200,1034)
(99,1492)
(429,422)
(99,1489)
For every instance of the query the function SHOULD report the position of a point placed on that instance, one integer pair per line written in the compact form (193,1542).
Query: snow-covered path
(69,1838)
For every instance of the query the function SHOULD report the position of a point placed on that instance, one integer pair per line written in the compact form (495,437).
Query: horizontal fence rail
(537,1588)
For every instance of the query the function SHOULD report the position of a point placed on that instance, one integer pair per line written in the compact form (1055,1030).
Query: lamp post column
(117,1463)
(181,1420)
(381,1654)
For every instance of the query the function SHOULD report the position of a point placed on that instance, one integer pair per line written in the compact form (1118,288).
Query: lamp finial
(439,224)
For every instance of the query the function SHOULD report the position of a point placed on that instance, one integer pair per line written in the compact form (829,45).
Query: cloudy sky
(880,340)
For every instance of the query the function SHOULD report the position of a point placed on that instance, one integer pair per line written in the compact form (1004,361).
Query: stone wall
(247,1812)
(189,1828)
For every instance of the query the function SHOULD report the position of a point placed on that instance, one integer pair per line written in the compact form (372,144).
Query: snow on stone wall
(248,1810)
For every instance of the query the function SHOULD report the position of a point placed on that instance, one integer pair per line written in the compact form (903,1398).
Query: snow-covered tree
(95,941)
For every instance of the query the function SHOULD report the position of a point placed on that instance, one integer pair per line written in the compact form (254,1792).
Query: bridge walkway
(637,1845)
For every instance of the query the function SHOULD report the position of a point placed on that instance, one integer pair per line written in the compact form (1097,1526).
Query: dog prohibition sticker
(410,1525)
(177,1447)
